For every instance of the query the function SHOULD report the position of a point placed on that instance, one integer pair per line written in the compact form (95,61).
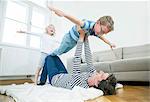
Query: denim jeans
(67,44)
(53,65)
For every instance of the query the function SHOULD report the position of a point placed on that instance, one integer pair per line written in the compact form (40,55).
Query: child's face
(100,29)
(50,30)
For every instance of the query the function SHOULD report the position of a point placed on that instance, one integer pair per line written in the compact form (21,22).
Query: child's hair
(51,25)
(107,20)
(108,85)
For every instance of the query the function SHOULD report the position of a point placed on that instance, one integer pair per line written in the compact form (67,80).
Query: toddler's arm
(29,33)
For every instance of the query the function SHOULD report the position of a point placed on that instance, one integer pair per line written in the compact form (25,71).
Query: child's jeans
(67,44)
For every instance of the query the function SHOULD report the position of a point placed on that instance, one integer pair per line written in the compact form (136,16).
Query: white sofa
(128,63)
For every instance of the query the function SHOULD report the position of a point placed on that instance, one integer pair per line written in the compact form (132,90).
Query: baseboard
(135,83)
(16,77)
(8,80)
(15,81)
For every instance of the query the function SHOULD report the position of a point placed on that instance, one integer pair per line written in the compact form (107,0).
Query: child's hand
(20,31)
(57,11)
(112,46)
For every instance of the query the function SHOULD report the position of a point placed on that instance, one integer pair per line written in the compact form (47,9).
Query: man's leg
(60,65)
(51,67)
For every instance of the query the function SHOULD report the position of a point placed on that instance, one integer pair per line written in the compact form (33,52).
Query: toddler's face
(50,29)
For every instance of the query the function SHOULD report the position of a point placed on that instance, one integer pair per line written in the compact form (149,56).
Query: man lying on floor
(59,77)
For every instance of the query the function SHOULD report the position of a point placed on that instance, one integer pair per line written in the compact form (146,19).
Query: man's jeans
(53,65)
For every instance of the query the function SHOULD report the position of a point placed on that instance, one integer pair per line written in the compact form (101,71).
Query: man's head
(50,30)
(106,83)
(106,87)
(104,25)
(96,77)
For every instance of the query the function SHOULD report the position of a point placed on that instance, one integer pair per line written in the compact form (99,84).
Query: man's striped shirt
(76,78)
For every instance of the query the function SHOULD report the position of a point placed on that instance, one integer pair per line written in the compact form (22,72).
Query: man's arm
(88,56)
(69,17)
(78,52)
(107,42)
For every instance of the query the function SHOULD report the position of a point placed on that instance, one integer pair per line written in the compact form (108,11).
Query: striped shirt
(76,78)
(87,27)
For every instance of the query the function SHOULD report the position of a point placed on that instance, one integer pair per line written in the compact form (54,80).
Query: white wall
(130,21)
(148,30)
(16,61)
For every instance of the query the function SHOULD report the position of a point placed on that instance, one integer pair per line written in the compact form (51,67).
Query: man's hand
(57,11)
(81,32)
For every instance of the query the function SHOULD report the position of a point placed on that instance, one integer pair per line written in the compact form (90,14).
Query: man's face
(97,77)
(94,79)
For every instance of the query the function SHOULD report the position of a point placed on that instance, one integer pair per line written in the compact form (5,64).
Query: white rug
(47,93)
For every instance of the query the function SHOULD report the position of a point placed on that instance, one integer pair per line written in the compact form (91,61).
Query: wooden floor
(127,94)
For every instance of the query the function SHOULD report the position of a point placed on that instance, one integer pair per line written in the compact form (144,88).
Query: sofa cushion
(104,66)
(136,51)
(133,76)
(131,64)
(107,55)
(98,66)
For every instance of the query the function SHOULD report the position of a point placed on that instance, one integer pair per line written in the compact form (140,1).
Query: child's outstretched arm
(107,42)
(63,14)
